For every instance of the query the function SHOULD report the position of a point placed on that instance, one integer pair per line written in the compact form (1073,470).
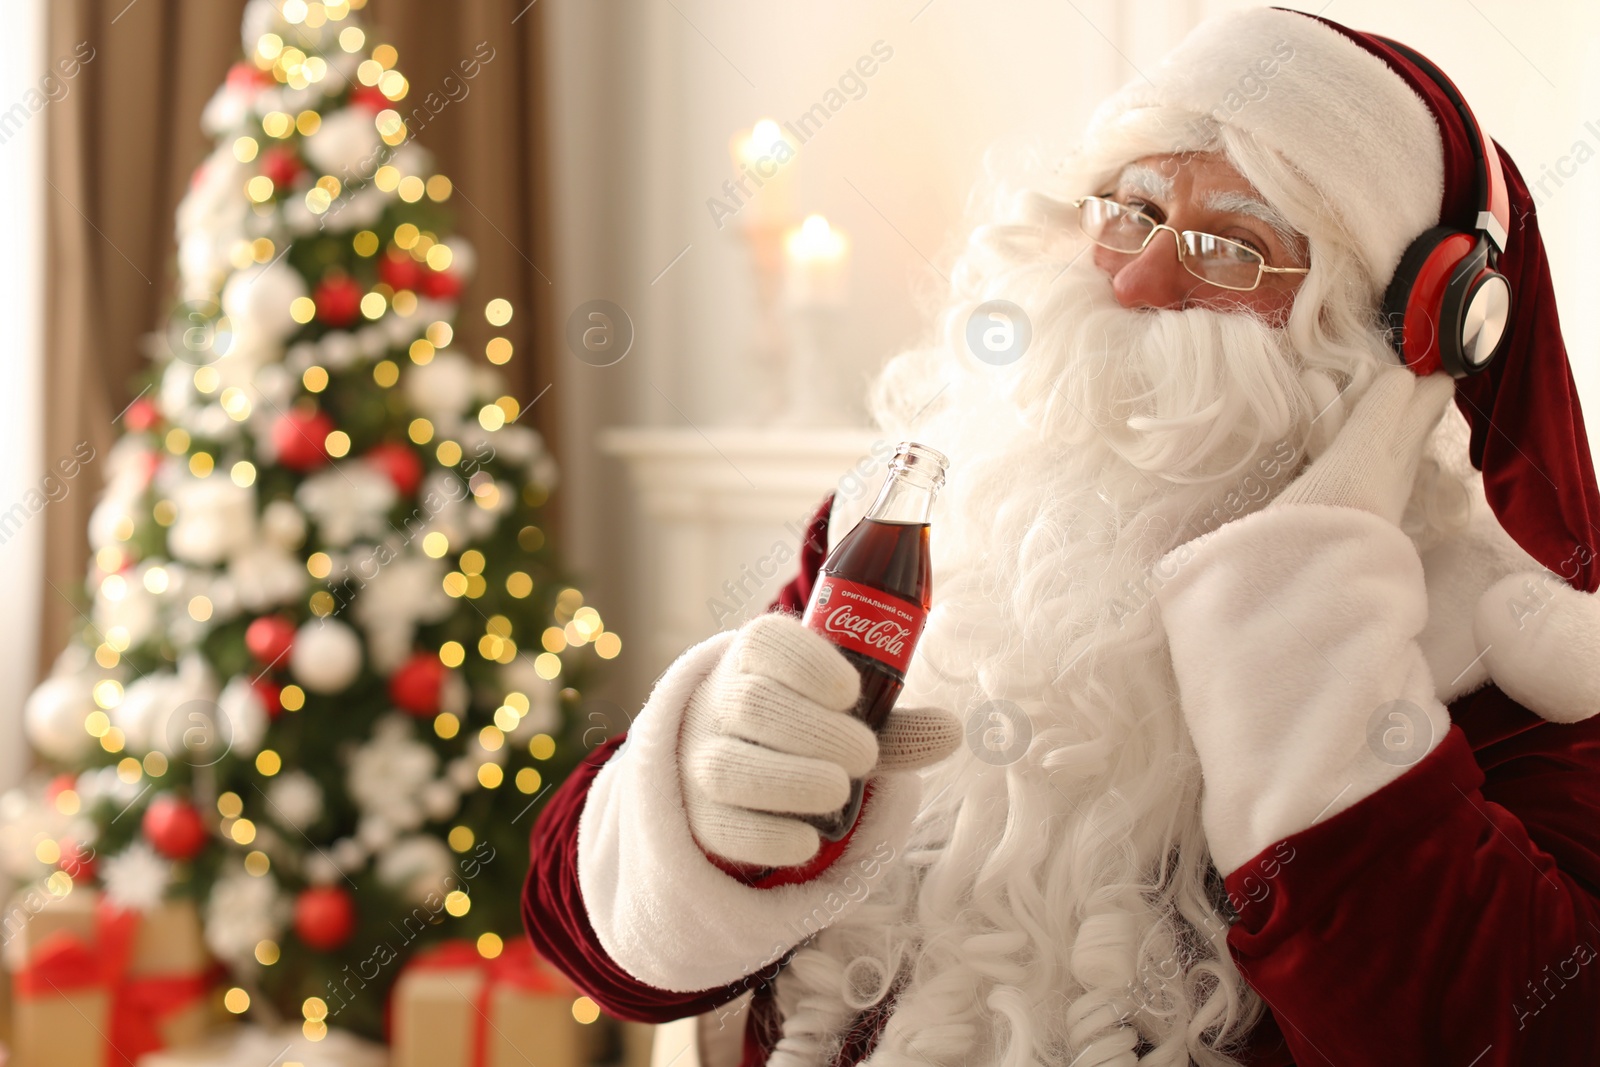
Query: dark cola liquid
(892,557)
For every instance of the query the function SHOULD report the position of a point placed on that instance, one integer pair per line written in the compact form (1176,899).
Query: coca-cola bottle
(872,596)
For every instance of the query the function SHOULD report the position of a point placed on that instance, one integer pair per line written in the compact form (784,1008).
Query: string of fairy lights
(574,624)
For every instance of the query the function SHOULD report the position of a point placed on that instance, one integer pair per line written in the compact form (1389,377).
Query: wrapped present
(5,1009)
(95,986)
(453,1008)
(261,1046)
(638,1043)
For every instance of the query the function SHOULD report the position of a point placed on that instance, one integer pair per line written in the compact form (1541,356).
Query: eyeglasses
(1224,263)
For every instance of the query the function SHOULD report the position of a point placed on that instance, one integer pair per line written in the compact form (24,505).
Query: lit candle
(819,263)
(760,185)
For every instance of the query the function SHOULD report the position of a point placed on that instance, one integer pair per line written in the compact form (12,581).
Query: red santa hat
(1379,138)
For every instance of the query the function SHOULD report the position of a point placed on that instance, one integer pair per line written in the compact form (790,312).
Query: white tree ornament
(326,657)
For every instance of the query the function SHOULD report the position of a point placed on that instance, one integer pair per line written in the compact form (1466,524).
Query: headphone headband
(1447,306)
(1493,203)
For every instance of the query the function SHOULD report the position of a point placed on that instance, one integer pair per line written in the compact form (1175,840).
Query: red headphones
(1447,307)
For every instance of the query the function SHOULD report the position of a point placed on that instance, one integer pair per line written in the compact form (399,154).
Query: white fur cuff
(1293,637)
(665,913)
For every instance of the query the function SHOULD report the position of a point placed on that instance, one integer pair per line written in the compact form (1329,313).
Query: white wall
(647,96)
(21,171)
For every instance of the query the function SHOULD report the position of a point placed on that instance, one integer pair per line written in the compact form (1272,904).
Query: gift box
(261,1046)
(638,1042)
(453,1008)
(95,986)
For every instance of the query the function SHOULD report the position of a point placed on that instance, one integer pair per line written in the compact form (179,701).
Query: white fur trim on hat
(1336,112)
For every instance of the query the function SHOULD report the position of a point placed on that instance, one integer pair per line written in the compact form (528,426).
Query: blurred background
(713,221)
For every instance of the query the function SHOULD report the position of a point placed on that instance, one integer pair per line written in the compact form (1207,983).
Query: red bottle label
(862,619)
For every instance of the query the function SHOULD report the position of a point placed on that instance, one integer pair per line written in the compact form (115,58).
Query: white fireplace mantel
(721,516)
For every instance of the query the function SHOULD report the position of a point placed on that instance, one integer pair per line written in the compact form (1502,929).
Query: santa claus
(1252,719)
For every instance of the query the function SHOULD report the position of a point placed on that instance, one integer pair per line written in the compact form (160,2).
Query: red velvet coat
(1451,919)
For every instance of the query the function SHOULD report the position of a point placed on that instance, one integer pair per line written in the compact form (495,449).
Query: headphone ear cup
(1475,313)
(1412,303)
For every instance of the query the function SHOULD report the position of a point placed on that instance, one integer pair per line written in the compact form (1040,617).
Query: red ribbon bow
(517,966)
(64,962)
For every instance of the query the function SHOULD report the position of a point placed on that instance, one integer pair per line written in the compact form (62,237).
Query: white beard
(1053,898)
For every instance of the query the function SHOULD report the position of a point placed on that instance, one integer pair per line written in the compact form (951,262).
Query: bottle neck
(906,496)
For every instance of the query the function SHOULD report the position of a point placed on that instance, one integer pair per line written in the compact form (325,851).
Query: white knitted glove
(1293,633)
(1373,459)
(768,732)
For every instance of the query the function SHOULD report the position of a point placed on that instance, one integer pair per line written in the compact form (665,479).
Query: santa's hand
(768,736)
(1373,460)
(1293,634)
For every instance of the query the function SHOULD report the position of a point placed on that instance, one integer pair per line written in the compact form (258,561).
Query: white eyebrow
(1146,181)
(1233,203)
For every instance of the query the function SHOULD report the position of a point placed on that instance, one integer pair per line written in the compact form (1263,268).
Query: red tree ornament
(141,415)
(269,639)
(399,271)
(281,164)
(399,462)
(416,685)
(301,438)
(78,860)
(338,299)
(245,76)
(371,98)
(441,284)
(174,827)
(271,694)
(324,917)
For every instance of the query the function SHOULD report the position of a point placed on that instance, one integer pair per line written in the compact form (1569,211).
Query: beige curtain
(492,140)
(119,151)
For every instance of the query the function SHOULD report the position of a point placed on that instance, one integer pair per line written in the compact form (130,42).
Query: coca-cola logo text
(883,634)
(866,620)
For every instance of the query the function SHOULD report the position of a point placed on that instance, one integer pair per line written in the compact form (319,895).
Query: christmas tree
(329,665)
